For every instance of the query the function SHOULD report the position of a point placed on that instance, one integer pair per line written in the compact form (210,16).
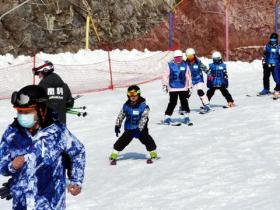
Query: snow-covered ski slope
(229,159)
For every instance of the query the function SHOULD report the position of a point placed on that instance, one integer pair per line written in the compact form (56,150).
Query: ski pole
(77,96)
(80,107)
(83,114)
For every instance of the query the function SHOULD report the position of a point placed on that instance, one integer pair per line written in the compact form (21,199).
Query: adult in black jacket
(60,97)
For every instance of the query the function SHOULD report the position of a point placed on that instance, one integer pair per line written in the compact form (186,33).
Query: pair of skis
(175,123)
(148,161)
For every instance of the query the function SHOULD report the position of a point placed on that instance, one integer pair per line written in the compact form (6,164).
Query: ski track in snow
(229,159)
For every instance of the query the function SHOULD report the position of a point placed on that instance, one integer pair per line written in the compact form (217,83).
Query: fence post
(227,34)
(276,16)
(170,30)
(110,70)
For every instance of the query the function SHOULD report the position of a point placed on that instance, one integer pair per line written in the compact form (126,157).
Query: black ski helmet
(133,90)
(29,96)
(274,36)
(46,68)
(32,96)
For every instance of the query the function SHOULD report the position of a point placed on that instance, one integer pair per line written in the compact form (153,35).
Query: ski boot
(230,104)
(264,92)
(113,158)
(186,119)
(153,154)
(275,95)
(167,120)
(204,109)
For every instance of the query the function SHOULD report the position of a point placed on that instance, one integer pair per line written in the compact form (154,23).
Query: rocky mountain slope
(55,26)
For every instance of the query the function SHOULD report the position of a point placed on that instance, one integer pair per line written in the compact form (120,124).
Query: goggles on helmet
(20,100)
(43,68)
(133,93)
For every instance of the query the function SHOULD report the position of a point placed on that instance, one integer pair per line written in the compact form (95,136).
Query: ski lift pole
(170,30)
(276,16)
(87,32)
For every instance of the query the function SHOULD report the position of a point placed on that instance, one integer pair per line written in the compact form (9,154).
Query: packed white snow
(228,160)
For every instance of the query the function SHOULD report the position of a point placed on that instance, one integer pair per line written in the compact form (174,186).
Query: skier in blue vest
(178,82)
(270,61)
(31,153)
(136,112)
(218,78)
(196,68)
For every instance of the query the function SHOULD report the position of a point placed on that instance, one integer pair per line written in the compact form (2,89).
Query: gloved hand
(165,88)
(34,71)
(70,103)
(189,92)
(67,164)
(210,77)
(136,133)
(5,190)
(117,130)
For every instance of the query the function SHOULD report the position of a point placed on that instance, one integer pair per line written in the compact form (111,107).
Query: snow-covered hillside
(229,159)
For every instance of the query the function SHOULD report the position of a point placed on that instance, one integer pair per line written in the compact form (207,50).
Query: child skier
(270,62)
(177,81)
(218,78)
(136,112)
(196,67)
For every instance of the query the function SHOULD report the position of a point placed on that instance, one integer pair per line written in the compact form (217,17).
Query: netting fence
(111,71)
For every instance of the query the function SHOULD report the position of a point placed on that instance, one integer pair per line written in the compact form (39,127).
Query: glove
(34,71)
(136,133)
(210,77)
(5,190)
(67,164)
(117,130)
(165,88)
(189,92)
(70,103)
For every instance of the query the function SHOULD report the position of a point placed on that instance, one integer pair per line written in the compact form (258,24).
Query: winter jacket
(177,77)
(136,115)
(271,54)
(41,183)
(218,75)
(196,69)
(60,97)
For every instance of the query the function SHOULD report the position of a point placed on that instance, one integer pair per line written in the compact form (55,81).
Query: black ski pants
(173,98)
(223,90)
(267,71)
(127,137)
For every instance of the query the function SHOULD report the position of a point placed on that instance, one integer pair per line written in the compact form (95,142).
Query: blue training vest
(197,75)
(218,72)
(272,54)
(133,115)
(177,76)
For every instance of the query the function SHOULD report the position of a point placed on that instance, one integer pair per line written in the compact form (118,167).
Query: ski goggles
(190,57)
(22,101)
(42,68)
(132,93)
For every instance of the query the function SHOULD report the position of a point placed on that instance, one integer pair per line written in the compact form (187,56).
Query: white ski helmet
(46,68)
(190,51)
(216,55)
(177,53)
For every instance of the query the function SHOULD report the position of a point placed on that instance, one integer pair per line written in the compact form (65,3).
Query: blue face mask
(26,120)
